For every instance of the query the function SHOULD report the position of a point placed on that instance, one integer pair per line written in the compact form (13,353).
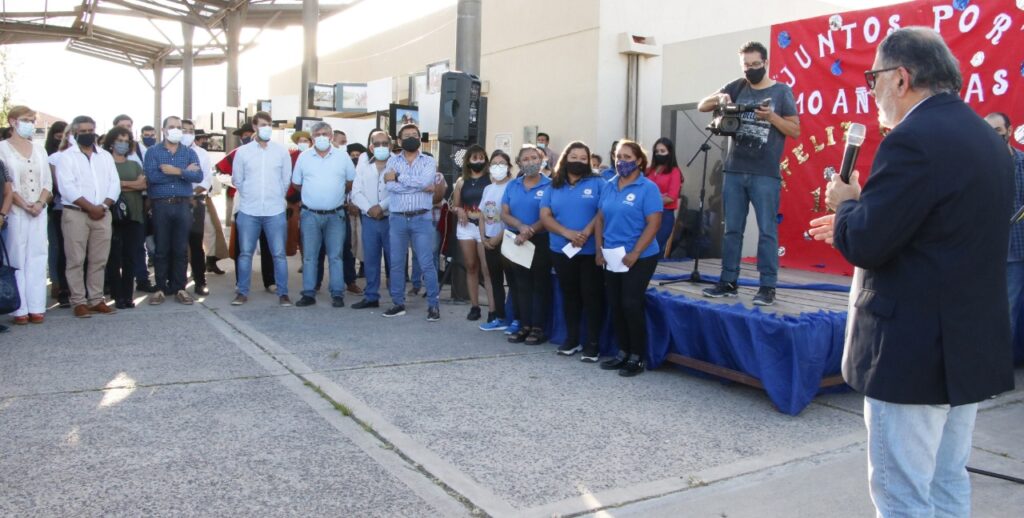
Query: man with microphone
(752,170)
(927,334)
(1015,255)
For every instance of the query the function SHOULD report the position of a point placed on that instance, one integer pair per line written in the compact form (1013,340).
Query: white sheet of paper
(570,250)
(519,254)
(613,259)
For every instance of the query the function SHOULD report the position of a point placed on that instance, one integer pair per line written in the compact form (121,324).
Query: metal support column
(187,31)
(310,19)
(158,95)
(233,28)
(467,37)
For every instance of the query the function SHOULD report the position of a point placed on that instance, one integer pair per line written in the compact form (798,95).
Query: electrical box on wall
(637,45)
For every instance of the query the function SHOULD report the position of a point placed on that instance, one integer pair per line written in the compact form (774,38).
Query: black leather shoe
(145,286)
(211,266)
(201,289)
(362,304)
(631,368)
(474,313)
(613,364)
(305,301)
(337,302)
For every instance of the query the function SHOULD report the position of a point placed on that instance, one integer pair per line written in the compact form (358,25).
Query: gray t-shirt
(757,146)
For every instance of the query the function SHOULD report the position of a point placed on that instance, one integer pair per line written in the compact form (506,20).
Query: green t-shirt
(128,171)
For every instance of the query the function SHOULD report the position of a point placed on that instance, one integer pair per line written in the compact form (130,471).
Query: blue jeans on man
(376,243)
(171,225)
(739,191)
(419,230)
(276,229)
(326,231)
(1015,289)
(917,458)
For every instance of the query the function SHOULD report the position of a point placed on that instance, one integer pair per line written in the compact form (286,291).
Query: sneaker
(305,301)
(474,313)
(569,350)
(433,314)
(765,296)
(64,300)
(366,304)
(156,298)
(183,297)
(512,328)
(721,289)
(395,311)
(591,354)
(239,300)
(337,302)
(494,325)
(284,301)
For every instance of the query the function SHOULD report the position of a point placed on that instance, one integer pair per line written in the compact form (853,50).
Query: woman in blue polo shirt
(569,211)
(520,210)
(627,222)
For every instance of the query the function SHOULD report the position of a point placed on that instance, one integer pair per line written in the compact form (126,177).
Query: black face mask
(85,139)
(660,159)
(577,168)
(411,144)
(476,167)
(754,75)
(355,161)
(246,140)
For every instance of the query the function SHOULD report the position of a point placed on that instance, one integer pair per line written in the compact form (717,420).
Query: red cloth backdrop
(823,59)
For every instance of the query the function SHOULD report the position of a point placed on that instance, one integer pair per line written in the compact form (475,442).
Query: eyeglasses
(871,75)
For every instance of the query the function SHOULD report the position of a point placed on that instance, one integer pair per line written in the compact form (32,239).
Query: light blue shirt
(407,192)
(323,178)
(262,176)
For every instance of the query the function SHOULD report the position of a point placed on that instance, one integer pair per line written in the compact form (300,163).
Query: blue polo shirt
(323,178)
(573,206)
(625,213)
(524,204)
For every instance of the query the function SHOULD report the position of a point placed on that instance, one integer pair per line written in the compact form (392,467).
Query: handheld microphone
(854,138)
(1018,216)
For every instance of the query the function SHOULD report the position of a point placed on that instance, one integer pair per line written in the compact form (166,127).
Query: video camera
(726,121)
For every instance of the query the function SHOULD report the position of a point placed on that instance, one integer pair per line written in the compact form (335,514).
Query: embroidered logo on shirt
(588,193)
(540,193)
(630,197)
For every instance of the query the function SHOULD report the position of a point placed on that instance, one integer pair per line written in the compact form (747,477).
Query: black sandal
(519,336)
(536,337)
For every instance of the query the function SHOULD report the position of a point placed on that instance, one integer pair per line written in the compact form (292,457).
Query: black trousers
(581,282)
(266,259)
(532,289)
(626,299)
(120,274)
(196,256)
(61,259)
(496,272)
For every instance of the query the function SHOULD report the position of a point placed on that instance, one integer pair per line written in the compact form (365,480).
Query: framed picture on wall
(434,73)
(400,115)
(350,97)
(530,134)
(384,120)
(417,88)
(306,123)
(241,117)
(264,105)
(321,97)
(216,142)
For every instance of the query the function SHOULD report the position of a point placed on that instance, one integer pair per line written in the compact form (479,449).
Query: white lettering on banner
(825,39)
(840,100)
(806,60)
(972,11)
(894,24)
(848,28)
(792,79)
(862,99)
(1002,86)
(1000,25)
(942,12)
(974,88)
(871,29)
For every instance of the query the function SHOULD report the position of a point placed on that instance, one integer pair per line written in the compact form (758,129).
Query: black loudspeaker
(460,108)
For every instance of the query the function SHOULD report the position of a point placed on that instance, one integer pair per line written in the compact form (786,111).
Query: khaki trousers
(85,237)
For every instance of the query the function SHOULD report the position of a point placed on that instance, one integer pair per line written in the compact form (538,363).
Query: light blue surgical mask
(121,148)
(303,146)
(381,153)
(26,129)
(322,143)
(265,132)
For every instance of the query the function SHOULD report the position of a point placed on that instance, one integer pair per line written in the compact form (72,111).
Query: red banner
(823,59)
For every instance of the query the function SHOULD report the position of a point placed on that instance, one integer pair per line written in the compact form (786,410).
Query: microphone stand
(695,274)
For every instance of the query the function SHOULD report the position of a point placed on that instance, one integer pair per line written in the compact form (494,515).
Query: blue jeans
(417,272)
(328,231)
(668,221)
(171,224)
(376,243)
(1015,288)
(249,227)
(917,458)
(738,193)
(418,230)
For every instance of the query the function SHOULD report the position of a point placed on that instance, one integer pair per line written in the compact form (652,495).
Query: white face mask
(499,172)
(322,143)
(173,135)
(26,129)
(265,132)
(303,146)
(187,139)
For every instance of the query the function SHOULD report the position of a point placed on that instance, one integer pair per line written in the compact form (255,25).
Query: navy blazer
(930,324)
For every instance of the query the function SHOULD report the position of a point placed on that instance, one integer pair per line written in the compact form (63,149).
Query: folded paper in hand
(613,259)
(519,254)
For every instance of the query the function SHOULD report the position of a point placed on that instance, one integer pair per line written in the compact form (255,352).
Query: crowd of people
(116,206)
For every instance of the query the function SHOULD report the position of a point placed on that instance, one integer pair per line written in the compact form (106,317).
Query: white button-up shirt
(369,188)
(94,179)
(262,176)
(206,166)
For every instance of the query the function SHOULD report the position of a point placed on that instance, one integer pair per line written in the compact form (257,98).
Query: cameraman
(752,168)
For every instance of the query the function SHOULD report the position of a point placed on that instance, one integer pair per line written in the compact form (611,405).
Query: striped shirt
(408,191)
(1016,252)
(160,185)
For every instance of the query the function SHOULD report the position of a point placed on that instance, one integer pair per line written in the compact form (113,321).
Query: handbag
(119,211)
(10,300)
